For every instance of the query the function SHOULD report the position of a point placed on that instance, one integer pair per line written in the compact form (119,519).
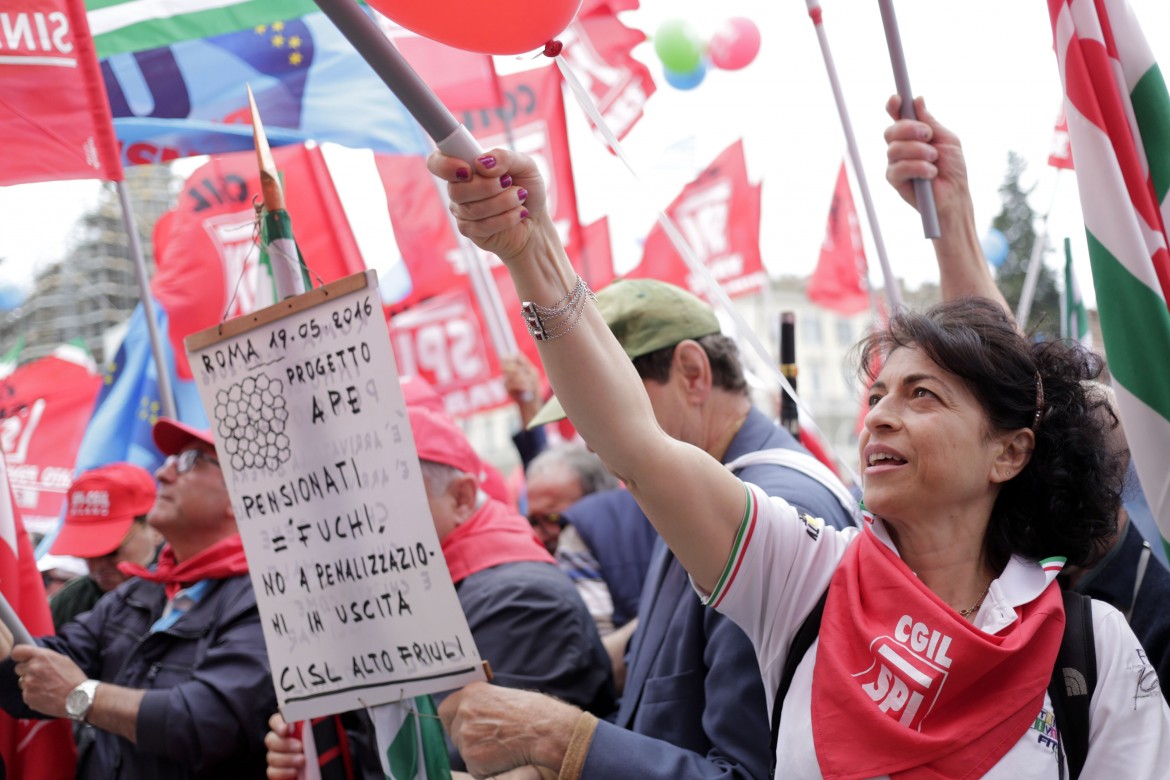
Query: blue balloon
(686,81)
(11,297)
(995,247)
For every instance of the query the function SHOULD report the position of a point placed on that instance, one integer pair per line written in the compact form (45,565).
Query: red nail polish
(463,174)
(505,181)
(487,161)
(522,194)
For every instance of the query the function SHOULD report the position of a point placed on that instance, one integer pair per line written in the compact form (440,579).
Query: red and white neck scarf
(903,686)
(220,561)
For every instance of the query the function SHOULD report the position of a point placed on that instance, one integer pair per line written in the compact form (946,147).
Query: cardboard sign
(320,463)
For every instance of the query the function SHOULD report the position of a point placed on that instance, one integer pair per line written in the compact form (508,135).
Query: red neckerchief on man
(493,535)
(221,560)
(904,686)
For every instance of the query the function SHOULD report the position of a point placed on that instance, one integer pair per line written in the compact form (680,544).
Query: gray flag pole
(1032,278)
(8,616)
(451,138)
(923,194)
(893,292)
(165,394)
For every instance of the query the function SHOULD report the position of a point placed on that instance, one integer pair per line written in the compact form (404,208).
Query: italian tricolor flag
(1118,116)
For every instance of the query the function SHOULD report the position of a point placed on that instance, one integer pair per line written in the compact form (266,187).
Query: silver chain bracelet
(546,323)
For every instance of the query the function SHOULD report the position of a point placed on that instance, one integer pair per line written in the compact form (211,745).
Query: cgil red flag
(46,406)
(54,114)
(719,215)
(206,246)
(1060,156)
(598,48)
(838,281)
(462,80)
(42,749)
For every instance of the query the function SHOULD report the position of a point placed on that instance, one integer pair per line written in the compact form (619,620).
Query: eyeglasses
(185,460)
(551,519)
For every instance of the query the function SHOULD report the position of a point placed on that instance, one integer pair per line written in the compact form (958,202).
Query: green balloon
(679,46)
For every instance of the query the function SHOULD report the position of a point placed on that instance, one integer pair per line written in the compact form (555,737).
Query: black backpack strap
(1074,677)
(805,636)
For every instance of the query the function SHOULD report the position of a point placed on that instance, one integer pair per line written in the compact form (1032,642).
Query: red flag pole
(923,194)
(893,292)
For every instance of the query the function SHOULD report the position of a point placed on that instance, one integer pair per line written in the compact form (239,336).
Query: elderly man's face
(191,491)
(138,547)
(550,493)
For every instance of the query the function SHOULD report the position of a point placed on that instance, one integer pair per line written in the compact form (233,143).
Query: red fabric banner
(462,80)
(1060,156)
(837,281)
(719,215)
(206,247)
(54,115)
(597,47)
(44,408)
(442,341)
(29,748)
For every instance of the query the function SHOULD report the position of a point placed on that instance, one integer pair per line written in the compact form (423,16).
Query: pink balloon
(735,44)
(485,26)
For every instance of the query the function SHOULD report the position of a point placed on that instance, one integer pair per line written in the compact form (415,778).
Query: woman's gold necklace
(973,608)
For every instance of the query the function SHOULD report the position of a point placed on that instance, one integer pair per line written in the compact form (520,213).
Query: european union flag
(310,84)
(128,405)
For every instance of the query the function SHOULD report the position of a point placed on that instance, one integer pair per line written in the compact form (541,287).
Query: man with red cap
(170,668)
(525,615)
(105,524)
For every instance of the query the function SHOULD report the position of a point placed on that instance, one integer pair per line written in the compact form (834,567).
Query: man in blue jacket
(693,705)
(170,668)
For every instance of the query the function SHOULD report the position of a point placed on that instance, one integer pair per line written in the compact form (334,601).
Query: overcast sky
(986,68)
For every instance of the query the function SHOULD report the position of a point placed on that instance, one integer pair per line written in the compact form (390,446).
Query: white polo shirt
(782,563)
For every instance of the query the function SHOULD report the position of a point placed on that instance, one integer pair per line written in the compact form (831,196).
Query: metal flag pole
(166,396)
(923,194)
(451,137)
(1032,278)
(893,291)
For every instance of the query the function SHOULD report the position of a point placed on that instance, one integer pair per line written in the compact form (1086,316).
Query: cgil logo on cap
(90,503)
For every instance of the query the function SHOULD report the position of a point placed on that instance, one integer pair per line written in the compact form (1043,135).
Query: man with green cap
(693,705)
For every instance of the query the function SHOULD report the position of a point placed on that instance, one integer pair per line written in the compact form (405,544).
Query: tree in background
(1017,222)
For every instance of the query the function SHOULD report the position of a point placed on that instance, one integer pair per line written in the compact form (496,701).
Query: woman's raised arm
(692,500)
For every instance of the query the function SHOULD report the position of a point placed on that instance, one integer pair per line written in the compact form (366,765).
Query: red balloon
(485,26)
(735,44)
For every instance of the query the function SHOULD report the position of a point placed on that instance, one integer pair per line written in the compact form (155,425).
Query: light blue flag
(310,84)
(128,404)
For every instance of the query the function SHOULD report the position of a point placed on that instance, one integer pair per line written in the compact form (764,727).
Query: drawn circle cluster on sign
(250,422)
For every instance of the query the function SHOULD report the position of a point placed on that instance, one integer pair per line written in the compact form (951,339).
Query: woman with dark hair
(984,470)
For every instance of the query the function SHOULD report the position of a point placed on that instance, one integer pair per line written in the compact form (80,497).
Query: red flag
(596,256)
(462,80)
(1061,154)
(719,214)
(46,406)
(206,247)
(54,115)
(837,282)
(30,748)
(442,341)
(597,47)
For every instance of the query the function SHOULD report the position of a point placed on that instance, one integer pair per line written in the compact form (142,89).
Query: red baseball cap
(172,437)
(439,440)
(417,391)
(100,507)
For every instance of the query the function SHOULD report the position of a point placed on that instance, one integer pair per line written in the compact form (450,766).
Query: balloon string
(697,267)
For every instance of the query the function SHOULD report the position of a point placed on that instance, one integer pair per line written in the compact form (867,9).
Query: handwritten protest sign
(320,463)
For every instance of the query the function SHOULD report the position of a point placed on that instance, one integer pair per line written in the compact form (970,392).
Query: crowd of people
(692,594)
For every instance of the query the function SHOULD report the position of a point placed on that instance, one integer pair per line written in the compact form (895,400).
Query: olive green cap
(645,315)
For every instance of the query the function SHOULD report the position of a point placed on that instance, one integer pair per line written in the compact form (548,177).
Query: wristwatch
(80,699)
